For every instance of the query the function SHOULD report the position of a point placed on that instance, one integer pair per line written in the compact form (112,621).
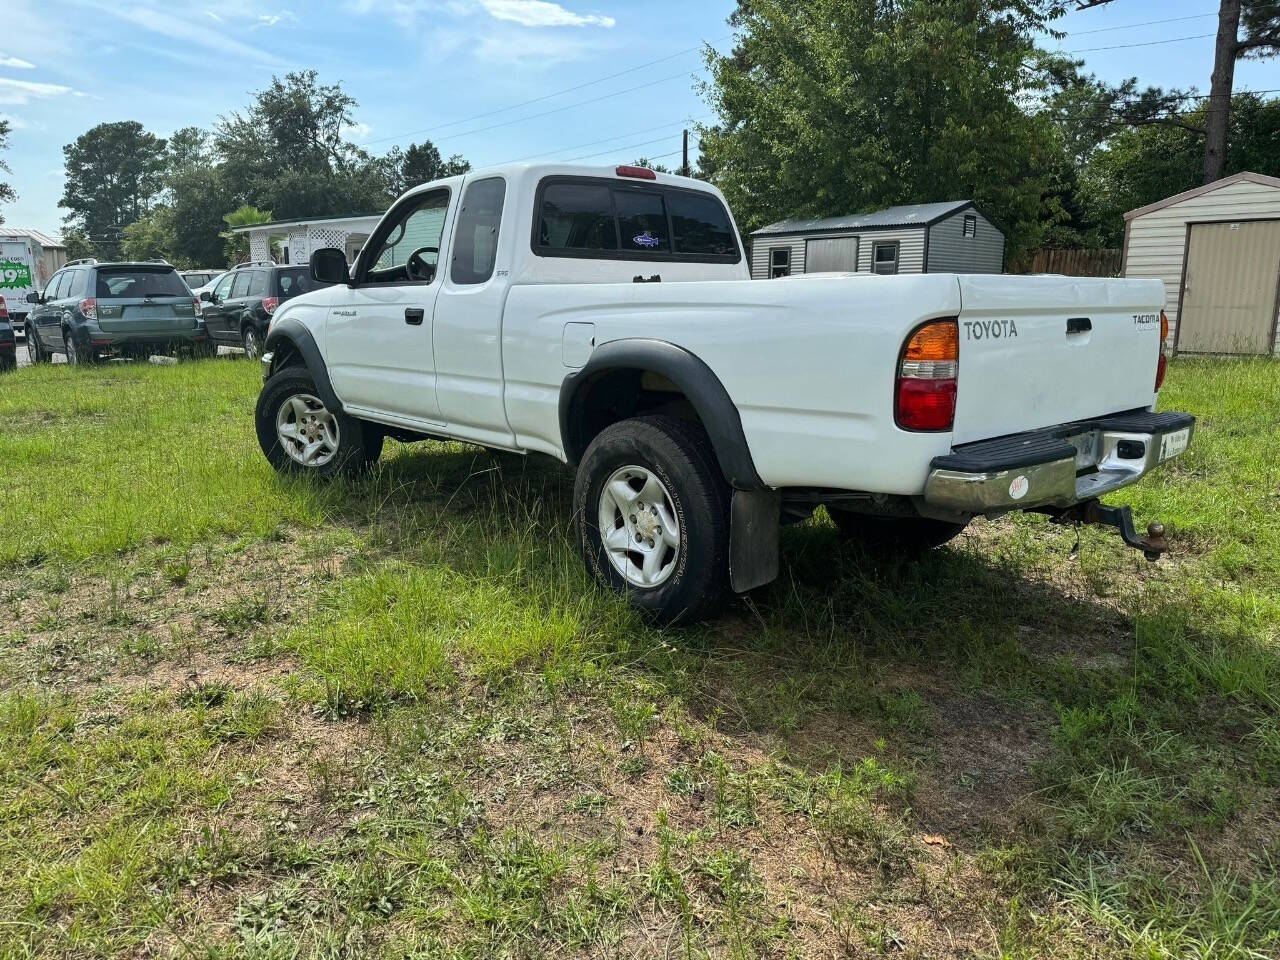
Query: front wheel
(906,536)
(300,435)
(652,512)
(35,350)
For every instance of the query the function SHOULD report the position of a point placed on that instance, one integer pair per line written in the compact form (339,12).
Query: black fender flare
(691,374)
(286,333)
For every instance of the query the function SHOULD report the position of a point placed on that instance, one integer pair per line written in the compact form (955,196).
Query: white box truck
(22,271)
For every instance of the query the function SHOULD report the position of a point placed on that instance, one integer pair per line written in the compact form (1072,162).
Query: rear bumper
(1059,466)
(123,342)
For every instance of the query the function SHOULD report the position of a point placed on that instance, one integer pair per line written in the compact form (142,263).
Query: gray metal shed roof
(40,237)
(911,215)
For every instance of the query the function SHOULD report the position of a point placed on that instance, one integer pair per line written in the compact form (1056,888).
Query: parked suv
(195,279)
(91,311)
(8,343)
(237,311)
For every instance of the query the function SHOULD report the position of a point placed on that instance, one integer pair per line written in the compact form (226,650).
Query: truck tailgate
(1042,350)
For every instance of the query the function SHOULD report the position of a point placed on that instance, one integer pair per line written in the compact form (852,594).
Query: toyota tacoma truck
(605,317)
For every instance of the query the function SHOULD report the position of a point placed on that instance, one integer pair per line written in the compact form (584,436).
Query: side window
(577,216)
(418,229)
(241,286)
(76,286)
(475,242)
(223,288)
(258,283)
(642,221)
(701,225)
(51,290)
(779,262)
(884,258)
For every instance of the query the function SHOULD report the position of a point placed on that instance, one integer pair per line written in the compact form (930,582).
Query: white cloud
(541,13)
(15,123)
(17,63)
(213,16)
(158,20)
(271,19)
(359,132)
(21,92)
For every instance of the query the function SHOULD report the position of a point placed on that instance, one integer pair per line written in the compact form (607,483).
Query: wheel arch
(290,342)
(608,389)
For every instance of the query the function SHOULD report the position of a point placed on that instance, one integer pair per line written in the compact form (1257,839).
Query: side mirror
(33,297)
(206,296)
(329,265)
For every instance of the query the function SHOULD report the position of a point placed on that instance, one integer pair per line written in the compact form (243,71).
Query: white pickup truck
(605,316)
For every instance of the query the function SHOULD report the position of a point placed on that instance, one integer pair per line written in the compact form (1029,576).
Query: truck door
(468,320)
(378,336)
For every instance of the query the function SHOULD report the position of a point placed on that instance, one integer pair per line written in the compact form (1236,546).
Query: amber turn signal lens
(935,341)
(1164,327)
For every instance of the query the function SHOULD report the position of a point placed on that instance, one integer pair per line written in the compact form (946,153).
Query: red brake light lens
(89,309)
(638,173)
(4,310)
(269,304)
(925,397)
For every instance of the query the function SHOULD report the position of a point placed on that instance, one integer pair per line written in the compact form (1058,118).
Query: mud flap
(753,538)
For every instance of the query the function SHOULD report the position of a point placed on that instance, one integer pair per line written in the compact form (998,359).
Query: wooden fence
(1076,263)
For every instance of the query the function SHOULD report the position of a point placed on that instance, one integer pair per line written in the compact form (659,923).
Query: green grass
(244,717)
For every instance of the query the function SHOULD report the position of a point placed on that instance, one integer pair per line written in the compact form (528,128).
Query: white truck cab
(605,317)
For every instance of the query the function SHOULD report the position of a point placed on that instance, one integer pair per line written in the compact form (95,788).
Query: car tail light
(1162,365)
(89,309)
(269,304)
(195,305)
(638,173)
(926,388)
(4,310)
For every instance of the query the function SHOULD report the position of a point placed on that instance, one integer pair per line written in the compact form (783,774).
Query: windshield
(293,282)
(137,282)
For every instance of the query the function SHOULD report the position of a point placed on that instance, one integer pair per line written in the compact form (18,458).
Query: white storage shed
(1217,249)
(950,237)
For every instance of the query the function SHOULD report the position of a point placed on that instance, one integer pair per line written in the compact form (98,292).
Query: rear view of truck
(20,259)
(1047,386)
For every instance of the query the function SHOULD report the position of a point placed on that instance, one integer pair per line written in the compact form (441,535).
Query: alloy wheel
(638,527)
(307,432)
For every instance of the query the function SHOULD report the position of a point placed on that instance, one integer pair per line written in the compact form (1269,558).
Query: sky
(495,80)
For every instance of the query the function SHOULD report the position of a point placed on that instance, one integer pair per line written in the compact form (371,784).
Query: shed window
(970,225)
(884,258)
(831,255)
(780,262)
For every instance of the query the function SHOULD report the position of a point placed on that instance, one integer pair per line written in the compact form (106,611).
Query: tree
(237,246)
(650,165)
(1261,40)
(7,194)
(151,237)
(115,172)
(77,243)
(839,106)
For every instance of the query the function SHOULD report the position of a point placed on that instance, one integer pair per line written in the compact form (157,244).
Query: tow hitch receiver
(1094,511)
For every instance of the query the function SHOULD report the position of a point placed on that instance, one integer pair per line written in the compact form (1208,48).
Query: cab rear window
(136,282)
(607,220)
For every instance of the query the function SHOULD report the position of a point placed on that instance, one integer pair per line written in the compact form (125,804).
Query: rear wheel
(298,434)
(35,349)
(653,517)
(907,536)
(251,342)
(77,354)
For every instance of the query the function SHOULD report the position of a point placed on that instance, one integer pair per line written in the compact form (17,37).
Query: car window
(476,239)
(222,289)
(77,283)
(138,282)
(700,224)
(51,289)
(240,288)
(577,216)
(258,283)
(419,227)
(295,281)
(642,221)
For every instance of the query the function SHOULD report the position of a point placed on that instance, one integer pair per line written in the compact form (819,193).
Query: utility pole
(684,167)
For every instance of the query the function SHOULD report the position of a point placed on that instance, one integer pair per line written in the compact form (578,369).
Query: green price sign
(14,274)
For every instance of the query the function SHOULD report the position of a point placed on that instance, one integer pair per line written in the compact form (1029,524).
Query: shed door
(831,255)
(1229,297)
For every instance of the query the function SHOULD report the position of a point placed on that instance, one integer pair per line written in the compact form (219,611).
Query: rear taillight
(926,387)
(89,309)
(195,305)
(1162,365)
(4,310)
(269,304)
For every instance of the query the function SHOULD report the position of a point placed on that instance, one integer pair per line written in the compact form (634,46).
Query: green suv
(93,311)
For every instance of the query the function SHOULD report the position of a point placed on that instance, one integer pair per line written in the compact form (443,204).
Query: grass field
(242,717)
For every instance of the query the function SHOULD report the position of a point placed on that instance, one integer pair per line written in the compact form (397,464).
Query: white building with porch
(298,239)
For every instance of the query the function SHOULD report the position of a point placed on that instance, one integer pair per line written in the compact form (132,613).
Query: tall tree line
(285,156)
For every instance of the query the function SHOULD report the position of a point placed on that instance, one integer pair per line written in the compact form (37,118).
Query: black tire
(8,361)
(77,356)
(359,444)
(35,349)
(679,454)
(251,341)
(904,536)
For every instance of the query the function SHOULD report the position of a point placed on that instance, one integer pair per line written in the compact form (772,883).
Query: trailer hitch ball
(1153,545)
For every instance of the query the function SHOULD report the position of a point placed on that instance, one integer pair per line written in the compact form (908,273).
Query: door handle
(414,316)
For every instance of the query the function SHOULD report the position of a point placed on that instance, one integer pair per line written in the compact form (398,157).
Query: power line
(634,146)
(1149,43)
(549,96)
(1147,23)
(621,136)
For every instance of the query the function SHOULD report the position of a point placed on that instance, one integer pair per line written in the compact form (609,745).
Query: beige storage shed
(1217,249)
